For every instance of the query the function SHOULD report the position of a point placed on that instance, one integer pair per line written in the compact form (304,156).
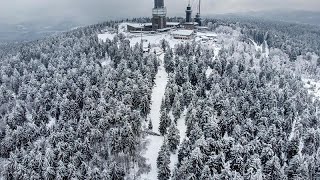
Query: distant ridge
(293,16)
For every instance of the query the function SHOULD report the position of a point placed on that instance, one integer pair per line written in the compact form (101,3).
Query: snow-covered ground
(157,95)
(155,141)
(208,72)
(134,38)
(181,125)
(52,121)
(293,129)
(313,86)
(106,35)
(264,51)
(154,39)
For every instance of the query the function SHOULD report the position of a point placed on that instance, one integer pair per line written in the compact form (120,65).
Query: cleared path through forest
(155,142)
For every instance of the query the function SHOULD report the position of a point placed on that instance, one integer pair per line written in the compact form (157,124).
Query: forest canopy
(75,107)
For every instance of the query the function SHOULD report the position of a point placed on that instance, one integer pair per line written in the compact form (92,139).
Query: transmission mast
(198,15)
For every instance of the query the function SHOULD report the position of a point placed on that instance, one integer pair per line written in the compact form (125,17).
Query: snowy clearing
(264,50)
(106,36)
(207,38)
(155,141)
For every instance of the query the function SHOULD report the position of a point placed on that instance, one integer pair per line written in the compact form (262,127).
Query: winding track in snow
(155,142)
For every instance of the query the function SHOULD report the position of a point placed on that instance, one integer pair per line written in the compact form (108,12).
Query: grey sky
(98,10)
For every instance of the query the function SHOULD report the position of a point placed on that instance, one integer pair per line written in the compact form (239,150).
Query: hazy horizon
(82,11)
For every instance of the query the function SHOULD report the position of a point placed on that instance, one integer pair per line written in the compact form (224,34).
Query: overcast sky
(90,11)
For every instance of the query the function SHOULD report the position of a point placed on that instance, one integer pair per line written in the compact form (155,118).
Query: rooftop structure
(190,25)
(173,24)
(183,34)
(198,15)
(158,3)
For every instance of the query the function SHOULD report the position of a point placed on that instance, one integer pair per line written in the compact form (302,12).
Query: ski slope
(155,142)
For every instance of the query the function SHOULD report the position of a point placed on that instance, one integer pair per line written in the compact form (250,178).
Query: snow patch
(52,122)
(293,129)
(263,48)
(312,86)
(106,35)
(208,72)
(154,39)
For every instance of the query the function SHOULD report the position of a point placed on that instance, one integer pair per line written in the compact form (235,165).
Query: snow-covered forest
(74,106)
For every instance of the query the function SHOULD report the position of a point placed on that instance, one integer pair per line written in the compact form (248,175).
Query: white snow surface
(208,72)
(154,39)
(181,125)
(293,129)
(313,86)
(52,122)
(106,35)
(183,32)
(155,141)
(265,51)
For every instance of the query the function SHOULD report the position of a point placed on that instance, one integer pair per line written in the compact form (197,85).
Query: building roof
(183,32)
(147,24)
(173,23)
(202,27)
(164,29)
(191,23)
(136,25)
(139,25)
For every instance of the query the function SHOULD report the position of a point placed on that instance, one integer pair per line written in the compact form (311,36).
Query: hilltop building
(159,13)
(159,20)
(198,15)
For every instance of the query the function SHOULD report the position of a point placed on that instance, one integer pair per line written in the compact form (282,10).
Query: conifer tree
(164,123)
(150,125)
(195,133)
(176,111)
(163,162)
(206,174)
(168,61)
(173,137)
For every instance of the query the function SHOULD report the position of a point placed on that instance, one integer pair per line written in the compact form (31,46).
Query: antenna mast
(198,15)
(199,6)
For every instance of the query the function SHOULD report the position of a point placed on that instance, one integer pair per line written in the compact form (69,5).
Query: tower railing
(159,11)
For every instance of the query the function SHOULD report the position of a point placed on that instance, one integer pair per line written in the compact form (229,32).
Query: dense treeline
(72,107)
(294,39)
(250,119)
